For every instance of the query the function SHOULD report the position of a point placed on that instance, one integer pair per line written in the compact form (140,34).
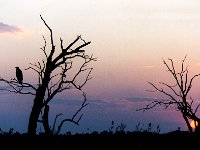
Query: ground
(103,140)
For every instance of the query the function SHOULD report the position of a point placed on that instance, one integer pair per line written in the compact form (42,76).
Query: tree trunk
(187,122)
(197,129)
(33,119)
(36,109)
(38,102)
(46,120)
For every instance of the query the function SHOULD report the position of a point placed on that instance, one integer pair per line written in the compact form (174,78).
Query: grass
(114,137)
(134,140)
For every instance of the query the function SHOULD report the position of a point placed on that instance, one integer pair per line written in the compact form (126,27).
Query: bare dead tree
(54,77)
(177,95)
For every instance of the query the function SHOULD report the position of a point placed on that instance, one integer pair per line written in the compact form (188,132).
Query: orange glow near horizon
(193,124)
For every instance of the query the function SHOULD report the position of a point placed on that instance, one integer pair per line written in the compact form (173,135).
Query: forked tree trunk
(33,119)
(38,105)
(46,120)
(187,122)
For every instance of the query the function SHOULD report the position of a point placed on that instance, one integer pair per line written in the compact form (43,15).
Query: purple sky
(129,37)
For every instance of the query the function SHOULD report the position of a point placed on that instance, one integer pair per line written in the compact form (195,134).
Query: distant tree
(54,77)
(177,94)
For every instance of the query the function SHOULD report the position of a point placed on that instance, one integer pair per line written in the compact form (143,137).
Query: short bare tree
(177,94)
(54,76)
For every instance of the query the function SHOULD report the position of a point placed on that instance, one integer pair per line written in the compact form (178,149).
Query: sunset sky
(130,38)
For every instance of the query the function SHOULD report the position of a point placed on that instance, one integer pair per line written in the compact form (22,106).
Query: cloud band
(5,28)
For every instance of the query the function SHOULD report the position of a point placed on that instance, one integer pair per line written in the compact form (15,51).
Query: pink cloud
(5,28)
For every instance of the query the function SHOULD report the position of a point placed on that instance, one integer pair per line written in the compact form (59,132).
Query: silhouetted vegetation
(117,129)
(177,94)
(53,74)
(114,137)
(149,128)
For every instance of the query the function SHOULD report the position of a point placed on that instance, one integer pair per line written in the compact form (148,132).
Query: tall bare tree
(177,94)
(54,77)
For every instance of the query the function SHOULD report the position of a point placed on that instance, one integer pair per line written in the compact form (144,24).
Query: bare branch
(51,35)
(54,123)
(38,69)
(60,59)
(18,88)
(190,83)
(73,117)
(44,47)
(164,92)
(196,108)
(171,88)
(151,105)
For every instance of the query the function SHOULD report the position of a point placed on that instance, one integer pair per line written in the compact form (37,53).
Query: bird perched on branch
(19,75)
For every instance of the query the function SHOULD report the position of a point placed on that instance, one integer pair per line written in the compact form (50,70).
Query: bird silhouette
(19,75)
